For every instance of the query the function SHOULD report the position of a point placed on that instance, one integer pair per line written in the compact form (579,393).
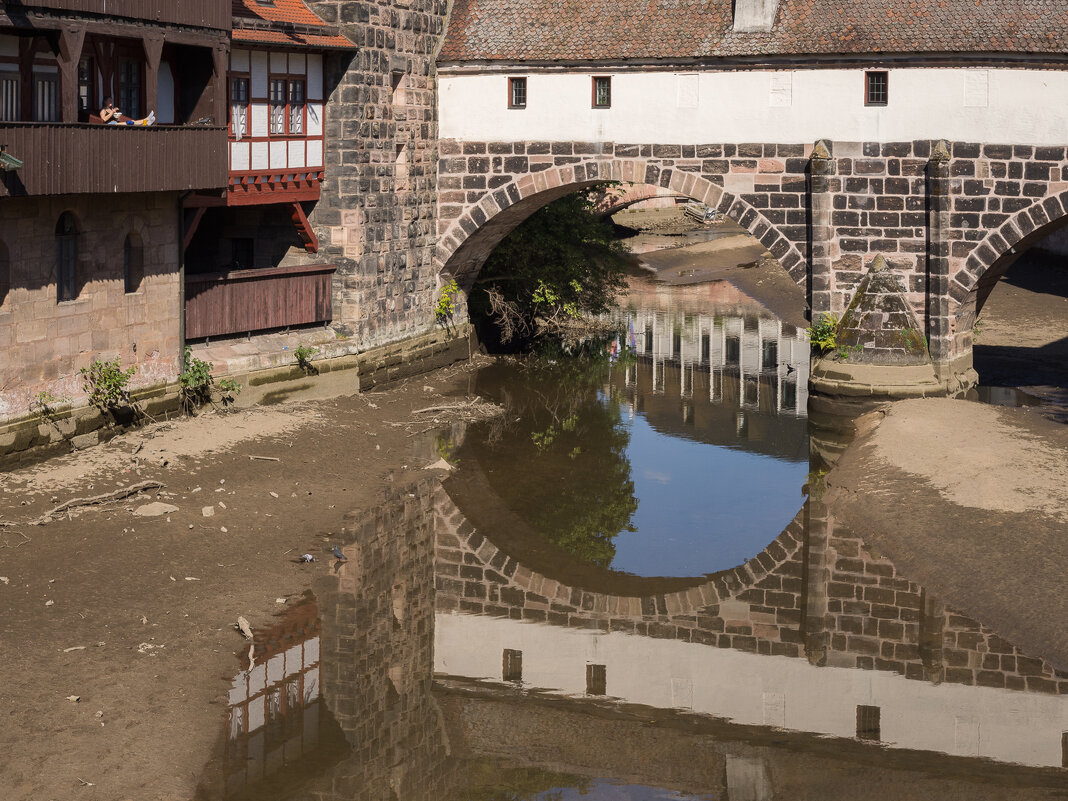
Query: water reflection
(677,458)
(455,671)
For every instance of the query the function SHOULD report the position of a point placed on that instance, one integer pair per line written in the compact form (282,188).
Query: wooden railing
(220,304)
(71,158)
(216,14)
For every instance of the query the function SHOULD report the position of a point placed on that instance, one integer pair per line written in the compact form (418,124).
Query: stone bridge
(815,592)
(948,217)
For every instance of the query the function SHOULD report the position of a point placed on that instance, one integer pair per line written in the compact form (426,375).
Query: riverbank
(971,501)
(118,629)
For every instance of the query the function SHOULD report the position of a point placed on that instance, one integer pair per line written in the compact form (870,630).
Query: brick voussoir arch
(558,180)
(713,589)
(1027,226)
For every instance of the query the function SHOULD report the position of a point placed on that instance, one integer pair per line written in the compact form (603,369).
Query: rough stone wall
(815,594)
(376,214)
(825,210)
(377,656)
(44,343)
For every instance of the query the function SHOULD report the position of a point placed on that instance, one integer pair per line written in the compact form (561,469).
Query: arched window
(66,257)
(133,262)
(5,275)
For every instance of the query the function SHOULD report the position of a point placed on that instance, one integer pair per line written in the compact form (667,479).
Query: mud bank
(117,630)
(972,502)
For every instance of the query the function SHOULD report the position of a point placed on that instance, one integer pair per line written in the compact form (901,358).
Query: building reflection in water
(713,342)
(712,690)
(274,708)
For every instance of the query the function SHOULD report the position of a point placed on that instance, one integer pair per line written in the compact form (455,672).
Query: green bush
(823,334)
(105,384)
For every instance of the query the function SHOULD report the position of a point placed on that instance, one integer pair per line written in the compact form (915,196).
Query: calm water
(621,593)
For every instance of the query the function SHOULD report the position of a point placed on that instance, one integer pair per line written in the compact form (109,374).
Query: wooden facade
(76,159)
(196,13)
(240,301)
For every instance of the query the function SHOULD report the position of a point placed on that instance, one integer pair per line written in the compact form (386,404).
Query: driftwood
(74,503)
(252,458)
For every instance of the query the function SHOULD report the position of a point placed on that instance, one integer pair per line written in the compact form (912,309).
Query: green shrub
(823,334)
(105,384)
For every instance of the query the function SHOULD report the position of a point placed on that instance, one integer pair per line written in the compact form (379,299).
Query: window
(66,258)
(278,107)
(517,93)
(5,275)
(296,107)
(239,107)
(287,107)
(398,81)
(512,669)
(876,88)
(46,98)
(769,354)
(9,97)
(602,91)
(86,95)
(596,680)
(868,723)
(130,88)
(733,350)
(133,262)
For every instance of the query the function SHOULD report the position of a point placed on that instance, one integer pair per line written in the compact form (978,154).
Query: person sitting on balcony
(112,116)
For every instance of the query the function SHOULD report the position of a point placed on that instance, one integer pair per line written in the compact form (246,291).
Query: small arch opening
(66,257)
(133,262)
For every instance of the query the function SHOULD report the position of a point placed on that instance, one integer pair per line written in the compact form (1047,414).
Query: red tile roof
(284,22)
(612,30)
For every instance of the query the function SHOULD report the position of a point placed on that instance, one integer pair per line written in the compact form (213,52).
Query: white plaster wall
(1017,106)
(1009,726)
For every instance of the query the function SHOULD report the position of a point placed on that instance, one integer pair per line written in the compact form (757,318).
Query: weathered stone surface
(155,509)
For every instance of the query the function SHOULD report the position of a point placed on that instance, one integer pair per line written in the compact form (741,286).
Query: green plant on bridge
(445,308)
(823,334)
(303,355)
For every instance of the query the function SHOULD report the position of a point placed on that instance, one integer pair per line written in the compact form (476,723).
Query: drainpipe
(181,278)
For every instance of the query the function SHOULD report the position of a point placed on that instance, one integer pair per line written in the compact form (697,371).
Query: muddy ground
(117,631)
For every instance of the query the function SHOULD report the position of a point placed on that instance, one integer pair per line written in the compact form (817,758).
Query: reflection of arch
(5,274)
(67,230)
(467,244)
(611,593)
(999,250)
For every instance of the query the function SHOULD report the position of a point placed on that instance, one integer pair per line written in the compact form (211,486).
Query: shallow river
(629,588)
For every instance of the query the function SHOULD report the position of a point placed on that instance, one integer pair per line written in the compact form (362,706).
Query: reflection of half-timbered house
(250,262)
(89,213)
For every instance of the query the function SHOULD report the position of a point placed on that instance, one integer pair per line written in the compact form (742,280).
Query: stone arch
(999,249)
(468,241)
(696,594)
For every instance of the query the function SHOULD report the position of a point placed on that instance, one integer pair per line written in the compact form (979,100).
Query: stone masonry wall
(377,656)
(815,592)
(942,214)
(44,342)
(376,214)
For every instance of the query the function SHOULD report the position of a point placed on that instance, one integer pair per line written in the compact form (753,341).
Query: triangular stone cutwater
(880,326)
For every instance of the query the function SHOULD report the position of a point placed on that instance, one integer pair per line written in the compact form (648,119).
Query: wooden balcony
(242,301)
(63,159)
(215,14)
